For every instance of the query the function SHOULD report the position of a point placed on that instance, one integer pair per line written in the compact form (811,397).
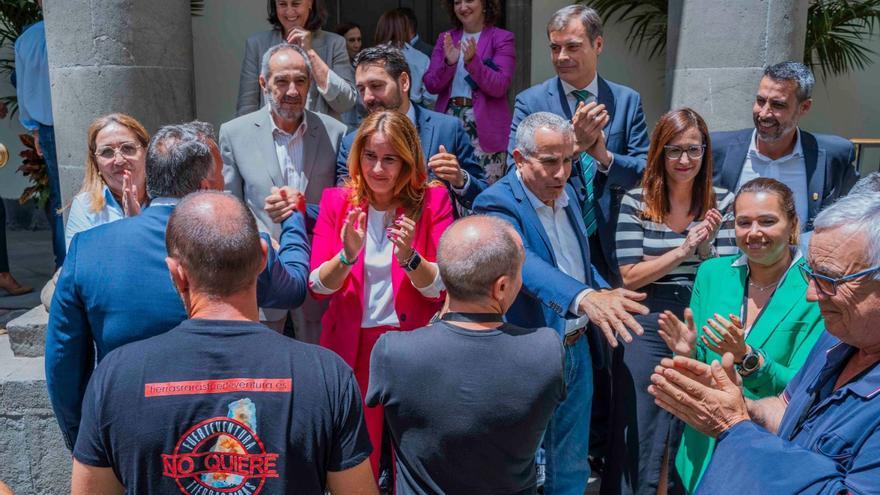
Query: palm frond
(837,32)
(647,19)
(196,7)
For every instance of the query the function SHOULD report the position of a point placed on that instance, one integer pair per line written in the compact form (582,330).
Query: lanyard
(473,317)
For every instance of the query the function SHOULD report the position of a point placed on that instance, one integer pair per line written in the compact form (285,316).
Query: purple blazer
(495,48)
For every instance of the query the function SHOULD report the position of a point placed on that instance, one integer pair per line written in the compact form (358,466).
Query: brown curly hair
(491,12)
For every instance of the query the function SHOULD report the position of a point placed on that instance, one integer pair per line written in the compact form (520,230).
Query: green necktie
(588,173)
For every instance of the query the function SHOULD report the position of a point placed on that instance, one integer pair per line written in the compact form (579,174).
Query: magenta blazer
(341,324)
(493,116)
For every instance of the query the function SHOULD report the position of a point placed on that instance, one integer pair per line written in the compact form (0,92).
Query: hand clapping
(450,51)
(401,235)
(353,233)
(130,204)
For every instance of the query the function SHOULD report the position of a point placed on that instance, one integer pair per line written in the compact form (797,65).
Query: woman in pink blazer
(471,70)
(375,248)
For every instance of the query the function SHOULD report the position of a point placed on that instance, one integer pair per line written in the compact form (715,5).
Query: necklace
(763,288)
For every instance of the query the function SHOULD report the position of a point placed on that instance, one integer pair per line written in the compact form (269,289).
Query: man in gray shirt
(468,398)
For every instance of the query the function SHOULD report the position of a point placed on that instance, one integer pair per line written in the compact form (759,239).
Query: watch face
(750,362)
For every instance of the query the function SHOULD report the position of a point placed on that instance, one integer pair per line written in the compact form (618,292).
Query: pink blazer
(491,111)
(341,324)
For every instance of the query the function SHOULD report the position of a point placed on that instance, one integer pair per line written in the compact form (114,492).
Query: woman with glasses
(753,306)
(114,184)
(666,228)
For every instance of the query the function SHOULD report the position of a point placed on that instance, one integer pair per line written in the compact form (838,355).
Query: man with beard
(383,81)
(818,168)
(282,144)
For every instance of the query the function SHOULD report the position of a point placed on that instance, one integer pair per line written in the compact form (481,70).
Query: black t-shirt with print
(222,407)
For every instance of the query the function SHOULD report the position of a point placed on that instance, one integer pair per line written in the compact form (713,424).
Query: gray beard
(285,114)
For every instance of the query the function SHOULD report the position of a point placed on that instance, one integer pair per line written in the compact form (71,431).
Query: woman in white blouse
(114,184)
(375,248)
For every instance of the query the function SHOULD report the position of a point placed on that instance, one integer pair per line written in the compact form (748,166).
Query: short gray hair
(525,132)
(202,129)
(855,213)
(587,15)
(470,264)
(177,162)
(867,184)
(264,66)
(793,71)
(215,237)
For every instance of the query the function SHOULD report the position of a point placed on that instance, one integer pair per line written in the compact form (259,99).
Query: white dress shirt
(289,150)
(790,169)
(378,255)
(460,87)
(566,249)
(82,218)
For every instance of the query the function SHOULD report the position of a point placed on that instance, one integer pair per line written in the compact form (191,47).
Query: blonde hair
(93,184)
(412,179)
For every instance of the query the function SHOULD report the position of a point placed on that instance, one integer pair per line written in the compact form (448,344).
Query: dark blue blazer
(626,137)
(547,292)
(829,161)
(115,288)
(434,128)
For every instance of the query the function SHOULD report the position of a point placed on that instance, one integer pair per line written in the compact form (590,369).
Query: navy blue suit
(626,138)
(434,129)
(544,301)
(115,288)
(829,161)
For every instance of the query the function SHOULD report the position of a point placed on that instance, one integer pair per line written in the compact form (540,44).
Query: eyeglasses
(694,152)
(828,285)
(127,150)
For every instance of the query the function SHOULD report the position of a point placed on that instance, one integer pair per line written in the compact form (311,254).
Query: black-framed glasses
(694,152)
(828,285)
(127,150)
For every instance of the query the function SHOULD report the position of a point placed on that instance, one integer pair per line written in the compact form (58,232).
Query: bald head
(215,239)
(475,252)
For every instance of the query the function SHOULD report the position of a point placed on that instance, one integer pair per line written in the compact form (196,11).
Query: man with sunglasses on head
(822,434)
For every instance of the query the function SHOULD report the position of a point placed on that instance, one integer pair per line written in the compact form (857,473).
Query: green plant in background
(837,30)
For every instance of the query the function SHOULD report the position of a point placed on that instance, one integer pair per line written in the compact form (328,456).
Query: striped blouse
(638,238)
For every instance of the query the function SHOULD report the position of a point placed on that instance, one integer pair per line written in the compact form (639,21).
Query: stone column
(129,56)
(721,48)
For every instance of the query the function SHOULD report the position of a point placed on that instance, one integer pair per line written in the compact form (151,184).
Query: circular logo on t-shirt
(220,456)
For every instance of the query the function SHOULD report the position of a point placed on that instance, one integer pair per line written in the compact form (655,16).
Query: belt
(573,337)
(461,101)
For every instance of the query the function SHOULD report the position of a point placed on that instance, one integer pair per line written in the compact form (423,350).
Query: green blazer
(785,332)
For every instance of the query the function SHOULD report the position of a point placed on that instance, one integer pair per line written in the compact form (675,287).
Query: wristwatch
(750,363)
(414,261)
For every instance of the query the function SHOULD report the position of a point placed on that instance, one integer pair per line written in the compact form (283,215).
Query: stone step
(27,333)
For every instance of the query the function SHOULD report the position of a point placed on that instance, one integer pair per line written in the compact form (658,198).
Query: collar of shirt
(110,200)
(867,385)
(796,152)
(411,113)
(281,134)
(414,40)
(593,87)
(164,201)
(560,203)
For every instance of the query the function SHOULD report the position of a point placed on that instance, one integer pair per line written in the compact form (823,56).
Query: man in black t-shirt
(468,398)
(220,404)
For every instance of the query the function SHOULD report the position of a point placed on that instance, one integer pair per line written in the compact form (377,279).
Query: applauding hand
(401,235)
(469,48)
(450,51)
(353,233)
(130,204)
(681,337)
(728,337)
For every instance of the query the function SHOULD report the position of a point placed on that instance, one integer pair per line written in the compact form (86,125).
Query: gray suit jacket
(340,95)
(250,164)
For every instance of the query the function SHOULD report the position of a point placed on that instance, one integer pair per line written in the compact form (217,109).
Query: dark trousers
(600,351)
(641,432)
(4,256)
(56,219)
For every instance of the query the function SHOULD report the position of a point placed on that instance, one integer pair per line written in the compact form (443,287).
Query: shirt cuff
(433,290)
(467,180)
(607,169)
(575,307)
(315,283)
